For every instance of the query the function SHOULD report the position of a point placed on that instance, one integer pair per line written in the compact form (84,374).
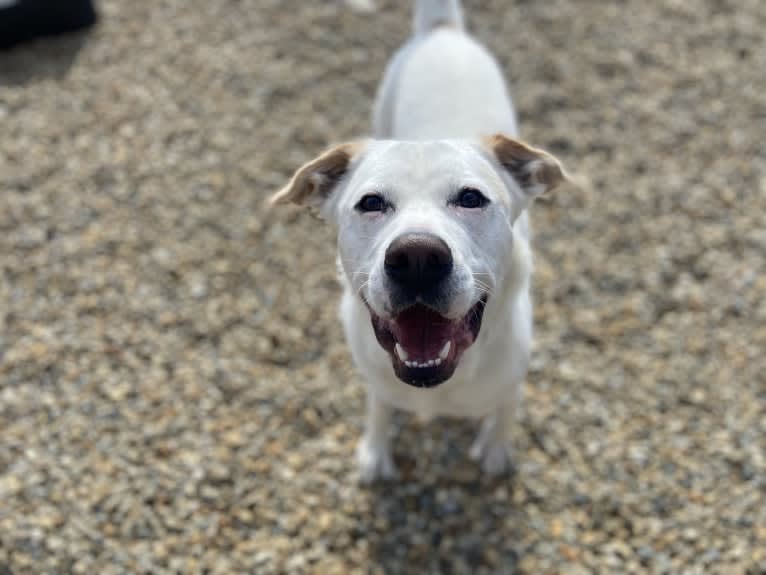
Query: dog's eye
(471,199)
(372,203)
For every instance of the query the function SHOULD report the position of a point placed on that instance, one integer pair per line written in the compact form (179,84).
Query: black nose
(418,261)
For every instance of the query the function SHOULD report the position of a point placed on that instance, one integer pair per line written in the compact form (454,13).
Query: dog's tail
(430,14)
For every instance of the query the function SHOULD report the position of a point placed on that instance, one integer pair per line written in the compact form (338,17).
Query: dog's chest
(472,393)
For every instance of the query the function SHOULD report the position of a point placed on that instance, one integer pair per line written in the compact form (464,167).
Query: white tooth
(408,363)
(430,362)
(401,353)
(445,350)
(438,361)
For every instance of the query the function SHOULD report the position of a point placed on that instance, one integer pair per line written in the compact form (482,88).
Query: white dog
(433,240)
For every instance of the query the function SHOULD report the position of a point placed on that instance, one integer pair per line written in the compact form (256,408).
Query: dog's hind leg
(374,450)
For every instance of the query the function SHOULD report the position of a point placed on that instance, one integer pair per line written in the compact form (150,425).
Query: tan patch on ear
(530,167)
(317,178)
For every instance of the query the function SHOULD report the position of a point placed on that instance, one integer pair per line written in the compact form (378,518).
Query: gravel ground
(175,394)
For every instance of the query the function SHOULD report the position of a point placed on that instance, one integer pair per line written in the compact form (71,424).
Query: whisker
(361,287)
(483,287)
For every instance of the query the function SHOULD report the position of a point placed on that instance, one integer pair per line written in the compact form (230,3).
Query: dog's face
(425,234)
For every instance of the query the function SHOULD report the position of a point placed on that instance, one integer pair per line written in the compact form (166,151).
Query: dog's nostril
(418,260)
(435,260)
(397,260)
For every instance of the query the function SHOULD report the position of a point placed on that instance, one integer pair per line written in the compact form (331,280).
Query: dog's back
(442,83)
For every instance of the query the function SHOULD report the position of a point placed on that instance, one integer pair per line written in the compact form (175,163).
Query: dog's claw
(375,462)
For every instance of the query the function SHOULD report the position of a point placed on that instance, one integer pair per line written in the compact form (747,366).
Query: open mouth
(425,347)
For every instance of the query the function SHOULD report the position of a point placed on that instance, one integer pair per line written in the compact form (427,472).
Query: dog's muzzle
(425,346)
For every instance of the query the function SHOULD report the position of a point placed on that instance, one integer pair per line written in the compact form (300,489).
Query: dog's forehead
(402,164)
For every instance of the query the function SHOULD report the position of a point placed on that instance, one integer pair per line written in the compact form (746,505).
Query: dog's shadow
(443,515)
(41,59)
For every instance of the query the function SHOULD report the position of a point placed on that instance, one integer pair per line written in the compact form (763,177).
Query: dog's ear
(313,183)
(534,170)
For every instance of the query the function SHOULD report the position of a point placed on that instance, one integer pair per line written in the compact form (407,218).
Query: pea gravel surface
(175,393)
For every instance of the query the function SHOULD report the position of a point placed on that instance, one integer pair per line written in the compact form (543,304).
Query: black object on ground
(28,19)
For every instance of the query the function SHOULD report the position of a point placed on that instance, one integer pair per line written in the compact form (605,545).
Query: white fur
(432,13)
(441,95)
(441,84)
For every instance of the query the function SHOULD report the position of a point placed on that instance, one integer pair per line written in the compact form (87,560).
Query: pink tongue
(422,332)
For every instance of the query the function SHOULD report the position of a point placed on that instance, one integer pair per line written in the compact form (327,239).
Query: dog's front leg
(493,444)
(374,450)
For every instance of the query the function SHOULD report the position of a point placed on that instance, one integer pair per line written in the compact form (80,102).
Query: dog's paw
(494,456)
(375,462)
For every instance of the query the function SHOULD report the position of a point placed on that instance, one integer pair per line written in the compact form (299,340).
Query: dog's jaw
(425,347)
